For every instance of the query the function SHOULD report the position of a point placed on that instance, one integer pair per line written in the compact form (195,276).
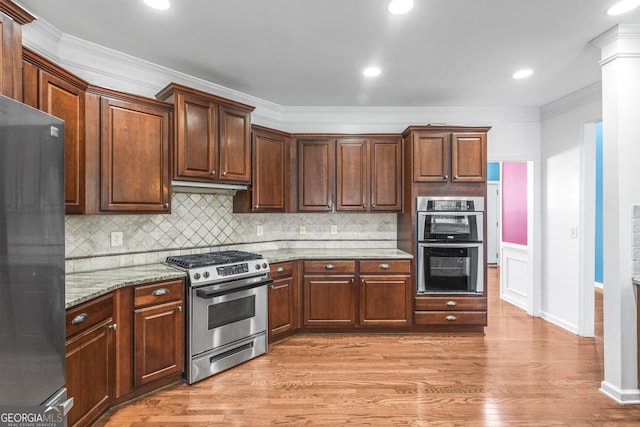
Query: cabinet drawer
(282,269)
(158,293)
(385,266)
(450,303)
(82,317)
(450,318)
(329,267)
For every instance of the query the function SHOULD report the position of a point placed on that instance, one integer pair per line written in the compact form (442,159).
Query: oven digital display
(228,270)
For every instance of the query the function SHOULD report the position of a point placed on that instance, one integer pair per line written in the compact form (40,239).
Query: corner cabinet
(212,136)
(283,300)
(448,154)
(134,154)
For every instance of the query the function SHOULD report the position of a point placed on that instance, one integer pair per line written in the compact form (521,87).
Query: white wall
(562,150)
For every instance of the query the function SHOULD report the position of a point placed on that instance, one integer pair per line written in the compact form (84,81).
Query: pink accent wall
(514,203)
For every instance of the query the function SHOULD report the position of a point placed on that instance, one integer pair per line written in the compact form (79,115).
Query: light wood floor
(523,372)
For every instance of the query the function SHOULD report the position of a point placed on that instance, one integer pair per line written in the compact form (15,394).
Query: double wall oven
(226,320)
(450,242)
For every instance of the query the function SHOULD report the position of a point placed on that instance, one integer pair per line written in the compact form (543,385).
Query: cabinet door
(235,145)
(352,174)
(329,301)
(135,157)
(431,157)
(316,165)
(159,342)
(270,156)
(62,100)
(383,300)
(90,360)
(10,57)
(386,175)
(196,135)
(469,157)
(281,306)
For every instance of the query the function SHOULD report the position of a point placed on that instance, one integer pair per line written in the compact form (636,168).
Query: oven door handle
(451,245)
(205,293)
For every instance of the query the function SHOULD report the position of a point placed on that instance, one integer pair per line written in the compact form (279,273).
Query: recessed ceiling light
(400,7)
(522,74)
(371,71)
(158,4)
(623,6)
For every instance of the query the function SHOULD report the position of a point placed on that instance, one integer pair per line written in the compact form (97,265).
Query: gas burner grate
(211,258)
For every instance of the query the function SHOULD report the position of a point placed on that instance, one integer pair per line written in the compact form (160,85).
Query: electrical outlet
(573,232)
(259,230)
(334,229)
(117,239)
(303,230)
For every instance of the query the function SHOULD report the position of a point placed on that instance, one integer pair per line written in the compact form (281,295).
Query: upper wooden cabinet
(448,154)
(61,94)
(358,173)
(212,136)
(134,154)
(12,17)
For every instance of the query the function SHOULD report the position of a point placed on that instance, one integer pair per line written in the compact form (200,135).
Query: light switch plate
(117,239)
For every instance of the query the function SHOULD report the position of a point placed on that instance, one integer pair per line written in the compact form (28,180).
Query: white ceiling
(311,52)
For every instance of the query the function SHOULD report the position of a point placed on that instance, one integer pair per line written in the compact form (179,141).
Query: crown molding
(588,95)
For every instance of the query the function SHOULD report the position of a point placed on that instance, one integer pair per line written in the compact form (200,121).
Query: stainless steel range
(226,310)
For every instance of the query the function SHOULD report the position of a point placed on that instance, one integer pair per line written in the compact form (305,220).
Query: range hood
(205,187)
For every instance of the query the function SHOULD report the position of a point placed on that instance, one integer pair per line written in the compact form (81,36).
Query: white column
(620,63)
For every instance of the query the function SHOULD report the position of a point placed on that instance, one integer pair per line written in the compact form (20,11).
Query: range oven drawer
(453,303)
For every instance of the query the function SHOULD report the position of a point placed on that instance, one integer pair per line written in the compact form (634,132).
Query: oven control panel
(217,273)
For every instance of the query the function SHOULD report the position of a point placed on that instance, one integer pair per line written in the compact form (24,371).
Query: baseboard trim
(624,397)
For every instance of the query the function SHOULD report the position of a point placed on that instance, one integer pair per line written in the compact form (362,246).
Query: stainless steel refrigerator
(32,312)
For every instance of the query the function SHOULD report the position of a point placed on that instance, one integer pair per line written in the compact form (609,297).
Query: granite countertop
(82,287)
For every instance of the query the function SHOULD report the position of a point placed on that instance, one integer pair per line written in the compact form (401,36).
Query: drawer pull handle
(79,318)
(160,292)
(451,318)
(329,266)
(385,266)
(280,269)
(452,303)
(114,326)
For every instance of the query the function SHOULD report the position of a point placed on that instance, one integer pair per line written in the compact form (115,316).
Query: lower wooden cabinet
(385,293)
(283,300)
(90,358)
(451,310)
(329,293)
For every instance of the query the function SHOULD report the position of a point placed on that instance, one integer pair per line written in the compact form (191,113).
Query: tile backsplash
(636,239)
(201,221)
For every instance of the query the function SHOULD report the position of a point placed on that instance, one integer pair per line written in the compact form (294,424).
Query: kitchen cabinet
(12,18)
(442,154)
(61,94)
(360,173)
(90,359)
(271,181)
(450,310)
(283,300)
(329,293)
(385,292)
(134,154)
(212,136)
(158,331)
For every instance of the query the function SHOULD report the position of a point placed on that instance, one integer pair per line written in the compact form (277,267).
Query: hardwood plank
(524,371)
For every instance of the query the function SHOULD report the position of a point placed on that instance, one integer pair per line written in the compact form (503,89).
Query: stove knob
(264,265)
(257,266)
(205,274)
(196,276)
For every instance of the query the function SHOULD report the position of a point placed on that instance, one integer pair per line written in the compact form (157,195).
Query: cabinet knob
(213,172)
(113,327)
(452,303)
(256,206)
(373,205)
(224,173)
(330,205)
(166,205)
(455,177)
(79,318)
(384,266)
(329,266)
(451,318)
(179,308)
(445,177)
(160,292)
(364,205)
